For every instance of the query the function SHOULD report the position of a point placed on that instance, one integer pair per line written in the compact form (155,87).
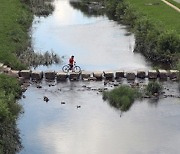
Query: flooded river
(76,120)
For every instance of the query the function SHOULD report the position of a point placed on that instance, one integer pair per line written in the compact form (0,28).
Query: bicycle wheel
(77,69)
(66,68)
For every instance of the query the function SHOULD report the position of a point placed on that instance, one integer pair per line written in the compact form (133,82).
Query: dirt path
(171,5)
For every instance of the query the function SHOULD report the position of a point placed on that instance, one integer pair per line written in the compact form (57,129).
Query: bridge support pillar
(61,76)
(162,74)
(174,74)
(152,74)
(50,75)
(36,75)
(98,75)
(130,75)
(108,75)
(85,75)
(141,74)
(25,74)
(74,76)
(119,74)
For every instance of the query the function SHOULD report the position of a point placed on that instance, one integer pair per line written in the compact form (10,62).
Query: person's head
(72,57)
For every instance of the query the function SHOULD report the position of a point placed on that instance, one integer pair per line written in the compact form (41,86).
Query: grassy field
(15,20)
(159,12)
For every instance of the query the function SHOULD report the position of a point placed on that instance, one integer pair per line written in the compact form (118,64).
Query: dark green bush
(120,10)
(153,87)
(121,97)
(9,85)
(110,6)
(9,111)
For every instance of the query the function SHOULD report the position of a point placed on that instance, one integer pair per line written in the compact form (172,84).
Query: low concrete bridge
(88,76)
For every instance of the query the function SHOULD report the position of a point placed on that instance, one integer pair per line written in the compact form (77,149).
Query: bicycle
(67,68)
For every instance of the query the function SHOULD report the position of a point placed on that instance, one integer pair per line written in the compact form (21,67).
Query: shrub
(9,111)
(4,112)
(153,87)
(168,46)
(120,10)
(9,85)
(110,6)
(121,97)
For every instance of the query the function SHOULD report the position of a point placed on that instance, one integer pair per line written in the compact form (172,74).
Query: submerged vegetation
(9,111)
(155,25)
(121,97)
(124,96)
(153,88)
(35,59)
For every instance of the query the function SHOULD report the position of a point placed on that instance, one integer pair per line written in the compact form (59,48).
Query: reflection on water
(96,42)
(96,127)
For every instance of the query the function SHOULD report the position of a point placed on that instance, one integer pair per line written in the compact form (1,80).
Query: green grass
(15,19)
(174,3)
(121,97)
(167,17)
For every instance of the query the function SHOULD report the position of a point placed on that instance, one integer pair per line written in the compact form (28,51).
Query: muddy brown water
(76,120)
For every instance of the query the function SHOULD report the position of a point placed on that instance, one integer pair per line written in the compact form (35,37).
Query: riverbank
(9,110)
(15,21)
(15,42)
(157,34)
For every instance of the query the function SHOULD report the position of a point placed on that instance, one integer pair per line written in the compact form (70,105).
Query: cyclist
(71,62)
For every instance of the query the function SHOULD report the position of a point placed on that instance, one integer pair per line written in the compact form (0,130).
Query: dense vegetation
(15,20)
(9,110)
(124,96)
(155,25)
(121,97)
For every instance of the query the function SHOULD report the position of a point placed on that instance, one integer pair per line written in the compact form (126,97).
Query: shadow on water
(153,102)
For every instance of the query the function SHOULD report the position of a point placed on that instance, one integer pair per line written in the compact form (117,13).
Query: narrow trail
(171,5)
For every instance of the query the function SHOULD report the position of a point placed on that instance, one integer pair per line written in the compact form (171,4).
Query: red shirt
(71,61)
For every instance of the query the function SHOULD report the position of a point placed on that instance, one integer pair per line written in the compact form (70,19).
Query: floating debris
(78,106)
(46,99)
(39,86)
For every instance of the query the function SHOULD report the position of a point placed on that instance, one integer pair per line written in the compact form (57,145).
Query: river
(76,120)
(96,42)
